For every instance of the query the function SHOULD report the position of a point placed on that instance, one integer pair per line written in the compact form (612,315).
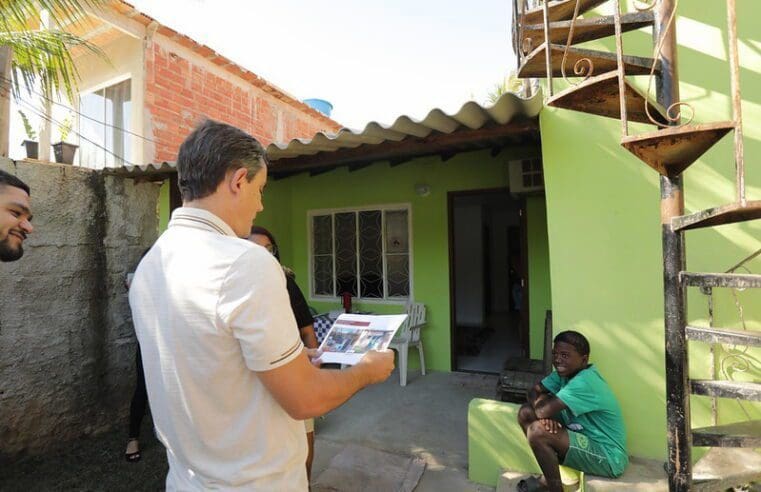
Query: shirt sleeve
(298,303)
(552,382)
(253,305)
(579,395)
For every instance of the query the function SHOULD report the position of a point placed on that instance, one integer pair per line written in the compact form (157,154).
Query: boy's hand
(551,426)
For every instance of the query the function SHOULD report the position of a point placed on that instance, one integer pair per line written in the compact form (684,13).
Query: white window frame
(381,208)
(98,87)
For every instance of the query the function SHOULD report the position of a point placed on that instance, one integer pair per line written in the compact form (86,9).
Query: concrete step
(718,469)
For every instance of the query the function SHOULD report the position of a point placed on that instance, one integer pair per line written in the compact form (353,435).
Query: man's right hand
(376,366)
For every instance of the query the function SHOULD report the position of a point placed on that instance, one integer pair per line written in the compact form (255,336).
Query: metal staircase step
(706,334)
(600,95)
(672,150)
(558,10)
(534,65)
(726,389)
(738,435)
(585,29)
(725,214)
(721,280)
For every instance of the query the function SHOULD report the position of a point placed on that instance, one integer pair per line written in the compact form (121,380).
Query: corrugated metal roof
(471,116)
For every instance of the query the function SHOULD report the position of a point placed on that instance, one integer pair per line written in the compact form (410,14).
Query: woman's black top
(298,303)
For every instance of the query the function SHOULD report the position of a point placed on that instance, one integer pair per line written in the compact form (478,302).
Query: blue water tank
(320,105)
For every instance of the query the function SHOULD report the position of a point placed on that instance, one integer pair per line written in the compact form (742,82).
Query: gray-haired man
(226,372)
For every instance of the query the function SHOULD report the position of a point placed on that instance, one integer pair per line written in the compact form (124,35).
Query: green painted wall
(604,228)
(288,201)
(540,297)
(163,206)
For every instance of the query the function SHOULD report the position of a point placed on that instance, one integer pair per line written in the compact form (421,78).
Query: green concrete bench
(496,442)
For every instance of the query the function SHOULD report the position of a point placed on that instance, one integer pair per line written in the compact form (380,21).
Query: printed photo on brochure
(353,335)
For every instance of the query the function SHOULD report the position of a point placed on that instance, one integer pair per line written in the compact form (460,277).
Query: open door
(488,279)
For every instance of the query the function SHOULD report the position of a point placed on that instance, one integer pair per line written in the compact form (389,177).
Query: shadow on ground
(90,464)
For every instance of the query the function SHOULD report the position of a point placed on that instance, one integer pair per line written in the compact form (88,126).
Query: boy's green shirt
(592,410)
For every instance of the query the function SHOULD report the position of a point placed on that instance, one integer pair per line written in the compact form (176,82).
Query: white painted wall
(125,60)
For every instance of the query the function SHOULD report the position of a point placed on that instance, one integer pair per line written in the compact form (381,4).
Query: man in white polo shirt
(226,373)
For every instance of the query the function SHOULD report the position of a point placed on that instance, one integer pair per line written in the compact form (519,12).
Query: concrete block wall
(181,88)
(67,346)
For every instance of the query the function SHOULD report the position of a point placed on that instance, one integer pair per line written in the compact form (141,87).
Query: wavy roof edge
(471,115)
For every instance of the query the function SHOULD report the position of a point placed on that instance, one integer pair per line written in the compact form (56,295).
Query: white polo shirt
(210,310)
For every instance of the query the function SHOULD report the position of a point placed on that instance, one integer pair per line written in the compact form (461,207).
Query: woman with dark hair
(304,320)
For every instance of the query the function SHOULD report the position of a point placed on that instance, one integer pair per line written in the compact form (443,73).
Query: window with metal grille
(365,252)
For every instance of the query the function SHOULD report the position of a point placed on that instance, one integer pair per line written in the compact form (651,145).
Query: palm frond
(45,57)
(14,13)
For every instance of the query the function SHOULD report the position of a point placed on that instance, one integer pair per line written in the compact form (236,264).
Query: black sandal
(132,457)
(530,484)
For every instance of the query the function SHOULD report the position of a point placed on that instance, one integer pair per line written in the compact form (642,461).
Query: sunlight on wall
(604,228)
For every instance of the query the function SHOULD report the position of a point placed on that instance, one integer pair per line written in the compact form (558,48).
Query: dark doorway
(488,288)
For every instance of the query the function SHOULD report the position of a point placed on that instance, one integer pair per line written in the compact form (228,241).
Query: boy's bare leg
(549,441)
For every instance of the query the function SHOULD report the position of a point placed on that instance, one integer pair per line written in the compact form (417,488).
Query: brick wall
(180,91)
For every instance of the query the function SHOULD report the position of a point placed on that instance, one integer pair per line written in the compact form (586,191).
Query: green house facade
(591,236)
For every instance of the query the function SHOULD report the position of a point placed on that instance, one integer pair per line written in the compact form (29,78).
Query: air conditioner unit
(525,176)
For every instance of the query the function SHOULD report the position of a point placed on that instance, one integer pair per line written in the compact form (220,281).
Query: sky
(374,61)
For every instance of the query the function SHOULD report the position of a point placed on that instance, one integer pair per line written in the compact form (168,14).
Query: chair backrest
(415,319)
(548,342)
(416,313)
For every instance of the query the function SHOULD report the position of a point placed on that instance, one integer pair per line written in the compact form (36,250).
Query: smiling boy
(572,418)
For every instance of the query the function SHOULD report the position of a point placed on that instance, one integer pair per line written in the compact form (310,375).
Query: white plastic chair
(407,336)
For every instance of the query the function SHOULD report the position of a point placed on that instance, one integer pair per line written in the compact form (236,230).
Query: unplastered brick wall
(67,345)
(182,88)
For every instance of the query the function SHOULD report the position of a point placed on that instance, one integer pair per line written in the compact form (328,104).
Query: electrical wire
(45,117)
(71,109)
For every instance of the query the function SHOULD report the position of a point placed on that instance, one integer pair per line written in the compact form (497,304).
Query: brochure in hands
(353,335)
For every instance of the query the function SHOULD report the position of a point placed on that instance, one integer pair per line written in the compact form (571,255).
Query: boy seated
(573,419)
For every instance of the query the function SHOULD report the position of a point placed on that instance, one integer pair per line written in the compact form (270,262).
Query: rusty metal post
(679,434)
(547,50)
(620,66)
(734,64)
(6,55)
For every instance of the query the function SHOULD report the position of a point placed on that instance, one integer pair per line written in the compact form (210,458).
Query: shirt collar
(200,219)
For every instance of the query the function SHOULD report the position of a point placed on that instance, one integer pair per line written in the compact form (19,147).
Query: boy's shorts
(588,456)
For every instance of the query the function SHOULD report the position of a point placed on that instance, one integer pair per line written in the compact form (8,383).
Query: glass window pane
(323,275)
(91,128)
(118,109)
(396,232)
(398,272)
(370,254)
(322,235)
(346,253)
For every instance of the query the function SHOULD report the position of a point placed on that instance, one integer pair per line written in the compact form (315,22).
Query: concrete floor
(426,419)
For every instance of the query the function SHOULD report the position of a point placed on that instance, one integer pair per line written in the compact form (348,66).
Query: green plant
(30,133)
(64,128)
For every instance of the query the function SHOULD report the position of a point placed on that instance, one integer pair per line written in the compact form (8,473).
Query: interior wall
(469,264)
